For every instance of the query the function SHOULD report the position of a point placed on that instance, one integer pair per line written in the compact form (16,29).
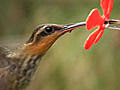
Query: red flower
(96,20)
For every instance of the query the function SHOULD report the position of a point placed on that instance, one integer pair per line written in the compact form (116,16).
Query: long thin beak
(70,27)
(111,24)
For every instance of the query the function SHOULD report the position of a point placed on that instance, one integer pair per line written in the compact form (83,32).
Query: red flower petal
(94,19)
(91,39)
(101,28)
(107,6)
(99,36)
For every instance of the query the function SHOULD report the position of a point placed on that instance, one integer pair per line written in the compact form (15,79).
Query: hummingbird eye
(49,30)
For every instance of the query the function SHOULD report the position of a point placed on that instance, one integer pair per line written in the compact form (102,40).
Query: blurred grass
(66,66)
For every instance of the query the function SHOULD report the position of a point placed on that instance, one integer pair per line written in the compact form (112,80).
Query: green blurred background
(67,65)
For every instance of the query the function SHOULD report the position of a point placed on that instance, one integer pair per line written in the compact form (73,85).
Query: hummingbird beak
(113,24)
(71,27)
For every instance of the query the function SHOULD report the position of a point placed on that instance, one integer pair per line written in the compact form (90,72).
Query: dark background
(67,65)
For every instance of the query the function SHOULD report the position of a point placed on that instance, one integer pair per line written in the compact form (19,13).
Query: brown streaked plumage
(17,68)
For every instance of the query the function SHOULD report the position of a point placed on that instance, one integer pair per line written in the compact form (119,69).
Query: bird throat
(27,61)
